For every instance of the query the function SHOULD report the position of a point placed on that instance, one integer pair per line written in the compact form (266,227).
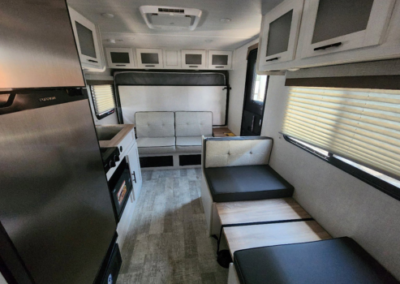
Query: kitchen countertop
(114,142)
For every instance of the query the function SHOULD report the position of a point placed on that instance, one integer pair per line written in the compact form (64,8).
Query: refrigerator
(56,215)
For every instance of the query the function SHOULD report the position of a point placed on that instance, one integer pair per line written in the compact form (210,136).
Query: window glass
(149,58)
(103,98)
(120,57)
(259,88)
(86,43)
(279,33)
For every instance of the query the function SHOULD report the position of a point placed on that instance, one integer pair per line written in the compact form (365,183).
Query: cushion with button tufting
(193,123)
(155,124)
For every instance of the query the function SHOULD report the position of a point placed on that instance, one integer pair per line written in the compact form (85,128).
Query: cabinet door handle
(149,66)
(273,59)
(252,124)
(94,61)
(120,65)
(219,66)
(328,46)
(134,176)
(191,66)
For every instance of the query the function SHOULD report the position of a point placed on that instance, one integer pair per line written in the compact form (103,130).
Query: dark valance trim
(99,82)
(363,82)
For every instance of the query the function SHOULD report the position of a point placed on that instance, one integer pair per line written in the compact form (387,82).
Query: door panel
(254,99)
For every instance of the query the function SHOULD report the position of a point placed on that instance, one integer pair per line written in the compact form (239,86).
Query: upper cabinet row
(298,33)
(127,58)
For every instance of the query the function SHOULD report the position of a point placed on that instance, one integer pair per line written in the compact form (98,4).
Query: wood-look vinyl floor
(167,241)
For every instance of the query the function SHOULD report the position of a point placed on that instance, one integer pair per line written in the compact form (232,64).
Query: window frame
(376,182)
(105,114)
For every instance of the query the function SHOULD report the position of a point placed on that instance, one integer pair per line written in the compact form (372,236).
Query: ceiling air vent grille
(165,10)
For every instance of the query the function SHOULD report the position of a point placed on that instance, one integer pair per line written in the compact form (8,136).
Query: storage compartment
(193,59)
(333,26)
(160,161)
(279,33)
(149,58)
(172,59)
(189,160)
(86,39)
(120,58)
(220,59)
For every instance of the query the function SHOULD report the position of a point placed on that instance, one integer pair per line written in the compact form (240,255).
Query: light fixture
(225,20)
(111,40)
(108,15)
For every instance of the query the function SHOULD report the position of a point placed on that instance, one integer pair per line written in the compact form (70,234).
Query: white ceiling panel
(129,28)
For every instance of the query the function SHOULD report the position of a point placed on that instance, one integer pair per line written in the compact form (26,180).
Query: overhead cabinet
(87,41)
(341,25)
(172,59)
(193,59)
(280,33)
(219,59)
(120,58)
(149,58)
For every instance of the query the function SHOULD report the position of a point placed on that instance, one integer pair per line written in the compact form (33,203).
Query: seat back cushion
(330,262)
(193,123)
(155,124)
(231,152)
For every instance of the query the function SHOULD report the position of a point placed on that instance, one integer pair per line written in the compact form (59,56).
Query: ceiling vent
(170,18)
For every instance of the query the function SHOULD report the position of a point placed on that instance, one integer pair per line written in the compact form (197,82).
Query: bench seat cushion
(156,142)
(188,141)
(242,183)
(330,262)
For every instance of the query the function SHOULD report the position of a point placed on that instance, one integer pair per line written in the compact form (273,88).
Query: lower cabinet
(134,163)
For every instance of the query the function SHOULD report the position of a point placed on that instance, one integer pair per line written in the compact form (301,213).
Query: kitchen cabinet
(134,163)
(172,59)
(120,58)
(334,26)
(193,59)
(280,29)
(149,58)
(87,42)
(219,59)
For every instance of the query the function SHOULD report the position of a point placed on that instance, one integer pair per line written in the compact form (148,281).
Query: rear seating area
(270,237)
(171,139)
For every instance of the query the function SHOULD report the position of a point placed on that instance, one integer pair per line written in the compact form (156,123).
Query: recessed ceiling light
(108,15)
(225,20)
(111,40)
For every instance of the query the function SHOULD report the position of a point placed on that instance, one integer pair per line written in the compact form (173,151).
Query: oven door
(121,187)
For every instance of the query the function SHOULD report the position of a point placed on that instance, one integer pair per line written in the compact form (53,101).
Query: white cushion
(188,141)
(193,123)
(229,153)
(155,142)
(155,124)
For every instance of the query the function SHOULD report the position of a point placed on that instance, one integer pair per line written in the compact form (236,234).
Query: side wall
(342,204)
(237,78)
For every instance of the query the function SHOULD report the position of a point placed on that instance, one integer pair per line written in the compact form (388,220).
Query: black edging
(379,184)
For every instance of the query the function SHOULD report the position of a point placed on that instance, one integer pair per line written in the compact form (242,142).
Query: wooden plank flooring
(167,241)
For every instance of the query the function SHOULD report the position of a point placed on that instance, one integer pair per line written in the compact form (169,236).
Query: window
(260,86)
(103,98)
(356,129)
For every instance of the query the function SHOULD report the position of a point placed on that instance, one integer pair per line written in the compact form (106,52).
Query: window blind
(103,98)
(362,125)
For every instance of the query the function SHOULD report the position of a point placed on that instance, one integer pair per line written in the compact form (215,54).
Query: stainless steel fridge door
(37,45)
(54,200)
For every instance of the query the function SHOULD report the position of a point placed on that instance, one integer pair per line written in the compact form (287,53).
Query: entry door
(254,98)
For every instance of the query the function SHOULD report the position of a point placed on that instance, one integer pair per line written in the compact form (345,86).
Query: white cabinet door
(87,42)
(219,59)
(279,33)
(134,163)
(333,26)
(149,58)
(193,59)
(172,59)
(120,58)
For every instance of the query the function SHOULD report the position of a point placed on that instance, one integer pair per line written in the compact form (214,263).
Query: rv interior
(207,142)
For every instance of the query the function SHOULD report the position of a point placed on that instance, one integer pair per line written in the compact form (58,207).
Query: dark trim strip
(100,82)
(379,184)
(391,82)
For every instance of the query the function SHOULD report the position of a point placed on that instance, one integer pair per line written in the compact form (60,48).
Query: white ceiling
(128,24)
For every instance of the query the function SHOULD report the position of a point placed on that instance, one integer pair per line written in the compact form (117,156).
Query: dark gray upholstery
(331,261)
(242,183)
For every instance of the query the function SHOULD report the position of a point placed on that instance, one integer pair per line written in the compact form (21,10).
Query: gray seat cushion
(155,142)
(188,141)
(155,124)
(330,262)
(242,183)
(193,123)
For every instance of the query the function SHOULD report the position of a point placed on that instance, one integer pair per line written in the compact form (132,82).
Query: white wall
(237,80)
(2,280)
(342,204)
